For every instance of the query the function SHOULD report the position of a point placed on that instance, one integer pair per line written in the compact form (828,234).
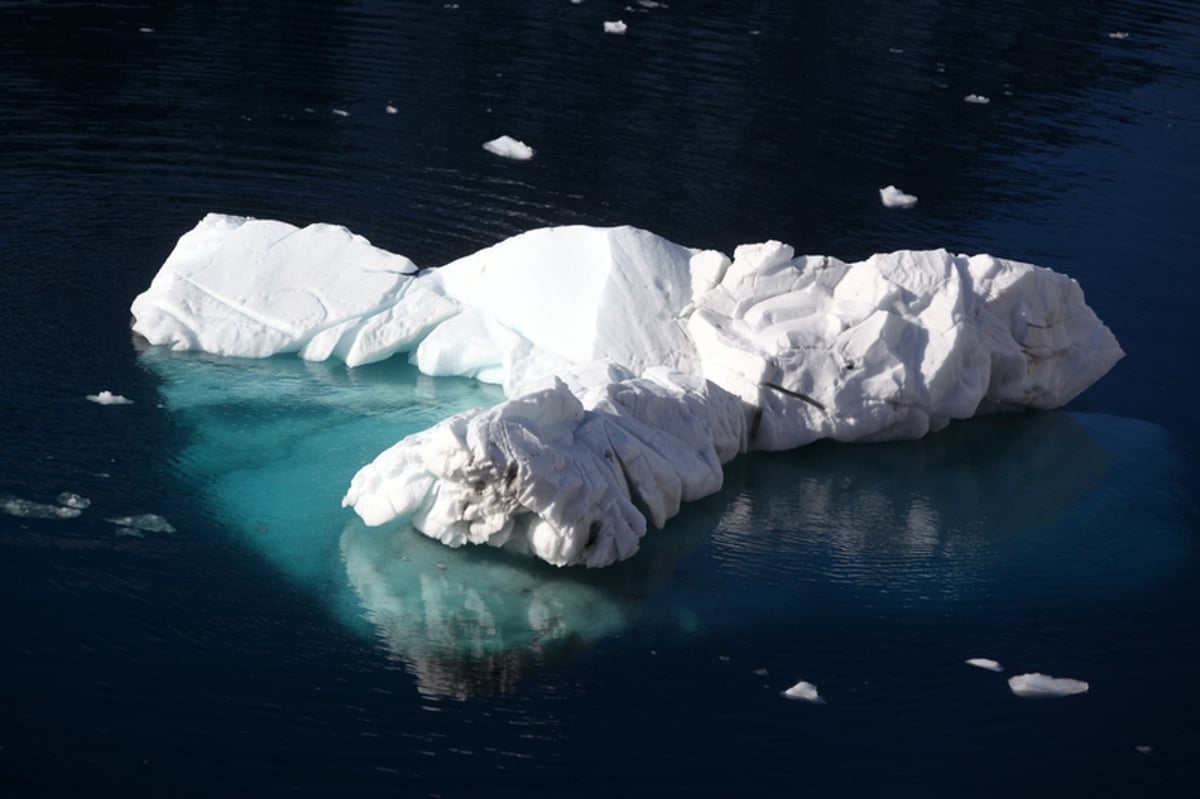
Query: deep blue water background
(209,662)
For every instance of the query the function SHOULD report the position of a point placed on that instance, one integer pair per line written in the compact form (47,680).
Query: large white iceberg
(634,367)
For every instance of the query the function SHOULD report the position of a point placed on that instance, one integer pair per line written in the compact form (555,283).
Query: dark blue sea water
(274,646)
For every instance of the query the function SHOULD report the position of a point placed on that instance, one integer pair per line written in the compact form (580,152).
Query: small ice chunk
(391,109)
(761,672)
(109,398)
(893,197)
(1036,686)
(151,30)
(149,522)
(977,99)
(616,27)
(984,663)
(341,112)
(804,692)
(24,508)
(69,500)
(1119,35)
(508,147)
(1144,749)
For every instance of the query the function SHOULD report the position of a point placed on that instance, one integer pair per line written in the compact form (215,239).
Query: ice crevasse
(633,367)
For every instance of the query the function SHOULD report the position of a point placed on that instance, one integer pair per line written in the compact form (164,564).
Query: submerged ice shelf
(634,367)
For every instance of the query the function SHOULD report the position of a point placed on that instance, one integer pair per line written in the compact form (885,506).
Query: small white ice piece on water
(1119,35)
(24,508)
(1144,749)
(341,112)
(893,197)
(977,99)
(804,692)
(391,109)
(508,147)
(1036,686)
(984,663)
(109,398)
(616,27)
(70,500)
(150,522)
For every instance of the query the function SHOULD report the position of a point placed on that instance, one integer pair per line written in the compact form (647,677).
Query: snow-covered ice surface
(1036,686)
(634,367)
(893,197)
(508,147)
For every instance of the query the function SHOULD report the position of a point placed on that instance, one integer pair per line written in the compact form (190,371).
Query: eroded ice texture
(634,367)
(508,147)
(893,197)
(984,663)
(804,692)
(1035,685)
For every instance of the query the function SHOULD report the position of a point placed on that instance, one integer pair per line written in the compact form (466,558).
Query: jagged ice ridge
(634,367)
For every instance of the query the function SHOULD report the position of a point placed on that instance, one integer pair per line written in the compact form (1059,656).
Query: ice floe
(15,506)
(616,27)
(109,398)
(634,367)
(145,522)
(71,500)
(508,147)
(984,663)
(804,692)
(893,197)
(977,99)
(1036,686)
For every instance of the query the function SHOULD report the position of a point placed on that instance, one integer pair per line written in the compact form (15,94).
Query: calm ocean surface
(272,645)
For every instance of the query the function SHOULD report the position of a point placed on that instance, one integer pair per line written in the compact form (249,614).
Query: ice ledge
(635,367)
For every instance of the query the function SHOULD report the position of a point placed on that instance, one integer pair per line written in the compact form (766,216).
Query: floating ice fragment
(893,197)
(761,672)
(391,109)
(149,522)
(69,500)
(977,99)
(24,508)
(1119,35)
(1144,749)
(341,112)
(109,398)
(151,30)
(1036,686)
(804,692)
(984,663)
(616,27)
(508,147)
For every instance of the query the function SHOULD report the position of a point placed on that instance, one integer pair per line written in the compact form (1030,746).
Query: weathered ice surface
(634,367)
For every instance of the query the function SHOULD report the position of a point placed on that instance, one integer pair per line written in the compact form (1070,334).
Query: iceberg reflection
(1031,507)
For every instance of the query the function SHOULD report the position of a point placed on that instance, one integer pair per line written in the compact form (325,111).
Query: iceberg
(633,368)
